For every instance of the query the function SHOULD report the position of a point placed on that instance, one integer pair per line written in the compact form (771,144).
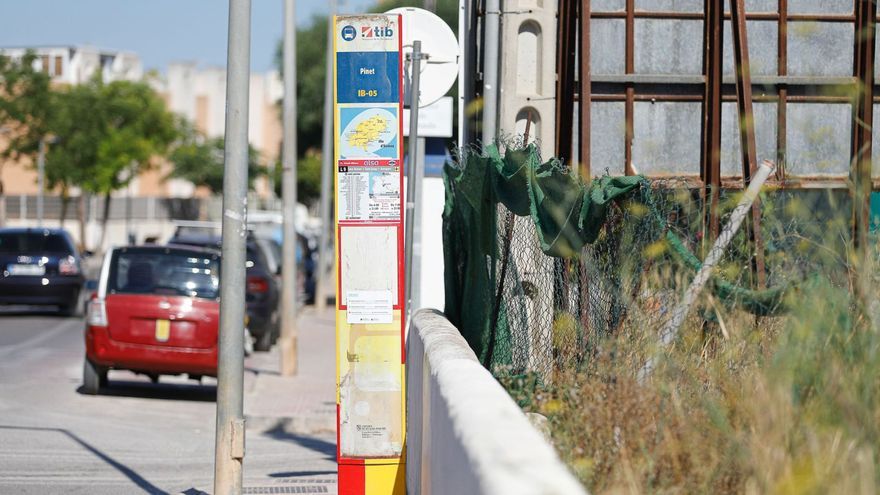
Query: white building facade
(199,94)
(76,64)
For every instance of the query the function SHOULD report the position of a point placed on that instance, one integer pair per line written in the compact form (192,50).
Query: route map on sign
(369,133)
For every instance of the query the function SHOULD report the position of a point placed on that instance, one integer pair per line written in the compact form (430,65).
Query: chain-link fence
(541,267)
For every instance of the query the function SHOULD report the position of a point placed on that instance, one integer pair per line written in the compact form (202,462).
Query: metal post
(490,71)
(584,143)
(130,238)
(671,328)
(585,89)
(629,105)
(288,193)
(736,218)
(565,70)
(747,130)
(710,150)
(782,89)
(328,159)
(863,113)
(41,179)
(410,171)
(229,448)
(415,272)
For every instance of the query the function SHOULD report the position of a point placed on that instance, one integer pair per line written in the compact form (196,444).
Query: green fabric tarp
(567,215)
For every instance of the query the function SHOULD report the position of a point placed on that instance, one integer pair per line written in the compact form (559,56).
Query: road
(137,437)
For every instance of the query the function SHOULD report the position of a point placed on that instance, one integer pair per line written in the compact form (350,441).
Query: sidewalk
(304,403)
(291,421)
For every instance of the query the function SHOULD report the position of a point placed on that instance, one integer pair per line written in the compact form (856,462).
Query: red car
(156,312)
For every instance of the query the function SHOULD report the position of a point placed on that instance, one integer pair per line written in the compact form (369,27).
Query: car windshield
(164,273)
(33,242)
(253,254)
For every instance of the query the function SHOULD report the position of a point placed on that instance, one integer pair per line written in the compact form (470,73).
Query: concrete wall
(527,81)
(464,432)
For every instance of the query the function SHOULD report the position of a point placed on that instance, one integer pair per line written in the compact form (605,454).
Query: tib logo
(348,33)
(376,32)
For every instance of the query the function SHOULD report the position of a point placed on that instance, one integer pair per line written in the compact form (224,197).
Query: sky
(159,31)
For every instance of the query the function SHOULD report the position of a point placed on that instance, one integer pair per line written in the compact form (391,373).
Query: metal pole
(410,170)
(736,218)
(490,71)
(710,150)
(129,236)
(670,330)
(41,179)
(288,193)
(326,172)
(415,273)
(863,112)
(747,130)
(229,448)
(565,72)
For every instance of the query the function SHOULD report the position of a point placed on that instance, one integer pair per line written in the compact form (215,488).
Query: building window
(45,61)
(59,65)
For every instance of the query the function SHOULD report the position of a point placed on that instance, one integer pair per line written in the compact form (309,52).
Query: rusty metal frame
(782,89)
(712,89)
(699,16)
(863,118)
(710,149)
(585,80)
(629,112)
(747,131)
(565,73)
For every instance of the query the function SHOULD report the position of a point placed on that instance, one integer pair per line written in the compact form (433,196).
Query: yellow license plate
(163,330)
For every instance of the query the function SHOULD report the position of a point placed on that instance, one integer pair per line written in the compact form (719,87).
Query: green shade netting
(567,215)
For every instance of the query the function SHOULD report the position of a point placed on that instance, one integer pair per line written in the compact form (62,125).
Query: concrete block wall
(527,81)
(464,433)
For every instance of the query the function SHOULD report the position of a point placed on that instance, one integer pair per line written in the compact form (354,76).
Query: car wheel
(263,342)
(276,327)
(94,377)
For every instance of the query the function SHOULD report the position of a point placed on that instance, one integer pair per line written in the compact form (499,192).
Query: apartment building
(196,93)
(199,94)
(76,64)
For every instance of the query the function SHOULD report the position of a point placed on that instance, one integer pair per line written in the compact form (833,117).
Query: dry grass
(775,405)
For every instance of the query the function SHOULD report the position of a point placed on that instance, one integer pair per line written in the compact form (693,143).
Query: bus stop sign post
(370,303)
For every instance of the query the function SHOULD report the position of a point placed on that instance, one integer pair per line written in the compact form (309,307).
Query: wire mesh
(550,314)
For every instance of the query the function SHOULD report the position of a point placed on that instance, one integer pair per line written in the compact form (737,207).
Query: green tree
(24,111)
(200,160)
(308,177)
(108,133)
(66,161)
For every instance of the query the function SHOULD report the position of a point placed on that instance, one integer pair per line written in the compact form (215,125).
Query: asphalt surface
(136,437)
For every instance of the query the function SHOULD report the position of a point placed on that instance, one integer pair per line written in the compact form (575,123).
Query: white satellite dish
(439,66)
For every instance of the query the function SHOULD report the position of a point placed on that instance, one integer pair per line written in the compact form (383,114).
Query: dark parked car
(156,312)
(261,294)
(40,267)
(306,259)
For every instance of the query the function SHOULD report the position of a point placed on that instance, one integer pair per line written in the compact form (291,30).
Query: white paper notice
(369,306)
